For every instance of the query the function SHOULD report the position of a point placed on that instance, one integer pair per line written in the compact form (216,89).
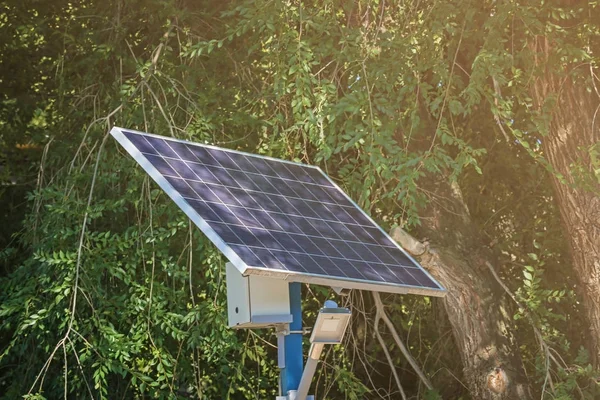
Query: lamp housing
(331,324)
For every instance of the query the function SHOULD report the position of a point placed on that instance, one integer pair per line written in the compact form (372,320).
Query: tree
(561,99)
(571,146)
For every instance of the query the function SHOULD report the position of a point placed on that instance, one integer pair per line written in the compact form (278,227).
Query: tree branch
(383,315)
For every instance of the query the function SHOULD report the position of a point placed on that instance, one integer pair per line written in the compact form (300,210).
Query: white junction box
(256,301)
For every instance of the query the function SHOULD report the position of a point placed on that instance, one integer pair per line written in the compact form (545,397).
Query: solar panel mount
(277,218)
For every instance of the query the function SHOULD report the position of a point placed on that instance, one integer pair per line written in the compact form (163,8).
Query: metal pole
(309,371)
(292,373)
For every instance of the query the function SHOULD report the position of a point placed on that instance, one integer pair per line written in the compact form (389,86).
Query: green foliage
(432,395)
(537,304)
(108,291)
(349,385)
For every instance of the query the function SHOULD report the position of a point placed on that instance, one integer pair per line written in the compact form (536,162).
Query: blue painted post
(294,363)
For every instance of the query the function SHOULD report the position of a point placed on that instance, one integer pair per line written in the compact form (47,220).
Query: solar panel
(277,218)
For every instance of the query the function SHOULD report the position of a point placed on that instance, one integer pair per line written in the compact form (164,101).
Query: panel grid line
(342,259)
(325,203)
(283,230)
(251,191)
(257,174)
(117,130)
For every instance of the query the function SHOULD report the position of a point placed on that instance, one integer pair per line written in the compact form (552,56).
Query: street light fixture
(331,324)
(330,328)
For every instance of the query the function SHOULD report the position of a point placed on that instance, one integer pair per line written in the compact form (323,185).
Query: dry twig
(383,315)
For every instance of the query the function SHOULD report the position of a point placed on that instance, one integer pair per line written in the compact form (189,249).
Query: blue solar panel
(278,218)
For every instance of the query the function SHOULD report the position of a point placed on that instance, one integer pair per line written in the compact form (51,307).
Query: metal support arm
(309,370)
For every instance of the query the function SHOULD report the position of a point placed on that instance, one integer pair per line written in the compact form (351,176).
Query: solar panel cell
(323,228)
(345,248)
(282,171)
(242,180)
(365,253)
(287,259)
(261,166)
(204,210)
(265,219)
(223,177)
(347,268)
(284,222)
(320,194)
(225,233)
(224,195)
(203,173)
(304,225)
(386,273)
(399,256)
(352,272)
(161,165)
(368,272)
(381,253)
(263,184)
(202,191)
(183,151)
(244,198)
(282,187)
(246,217)
(327,248)
(299,173)
(267,239)
(287,242)
(268,259)
(322,211)
(341,214)
(379,237)
(358,216)
(223,158)
(247,255)
(422,278)
(182,169)
(203,156)
(243,163)
(360,233)
(338,197)
(308,263)
(318,177)
(264,201)
(140,143)
(246,237)
(280,216)
(341,230)
(306,244)
(328,265)
(162,148)
(403,276)
(302,208)
(286,207)
(224,214)
(303,192)
(182,187)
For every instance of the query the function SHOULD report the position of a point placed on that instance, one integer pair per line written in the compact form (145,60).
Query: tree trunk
(477,307)
(573,129)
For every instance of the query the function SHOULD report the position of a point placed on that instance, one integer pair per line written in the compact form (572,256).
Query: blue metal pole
(294,364)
